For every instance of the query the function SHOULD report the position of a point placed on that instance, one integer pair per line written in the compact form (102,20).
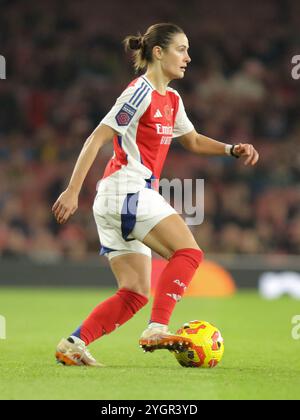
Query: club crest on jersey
(125,115)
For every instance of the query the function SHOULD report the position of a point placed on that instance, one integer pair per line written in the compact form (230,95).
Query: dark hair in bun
(160,34)
(135,42)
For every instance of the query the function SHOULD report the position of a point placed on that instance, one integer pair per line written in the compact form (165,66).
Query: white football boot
(73,352)
(155,338)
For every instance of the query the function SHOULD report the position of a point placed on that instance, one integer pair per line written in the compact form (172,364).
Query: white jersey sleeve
(182,124)
(129,107)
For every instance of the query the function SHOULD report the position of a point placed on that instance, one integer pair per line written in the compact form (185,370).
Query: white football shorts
(123,221)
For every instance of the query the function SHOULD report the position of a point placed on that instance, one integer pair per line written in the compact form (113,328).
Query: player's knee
(138,285)
(145,292)
(141,290)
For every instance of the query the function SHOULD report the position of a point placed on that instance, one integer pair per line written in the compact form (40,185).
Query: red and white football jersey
(146,122)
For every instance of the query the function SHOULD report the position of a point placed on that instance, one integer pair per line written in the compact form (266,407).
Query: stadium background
(65,68)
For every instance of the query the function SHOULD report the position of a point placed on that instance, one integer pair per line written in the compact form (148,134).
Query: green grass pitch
(261,359)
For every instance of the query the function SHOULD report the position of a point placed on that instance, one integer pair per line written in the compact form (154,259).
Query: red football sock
(110,314)
(173,282)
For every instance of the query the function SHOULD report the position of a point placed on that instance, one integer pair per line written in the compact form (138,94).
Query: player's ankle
(157,325)
(75,340)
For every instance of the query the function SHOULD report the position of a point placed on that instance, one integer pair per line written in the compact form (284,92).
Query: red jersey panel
(146,122)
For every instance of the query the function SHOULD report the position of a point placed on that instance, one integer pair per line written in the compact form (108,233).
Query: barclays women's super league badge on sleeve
(124,116)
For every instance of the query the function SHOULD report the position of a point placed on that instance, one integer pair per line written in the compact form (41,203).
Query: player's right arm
(128,108)
(67,203)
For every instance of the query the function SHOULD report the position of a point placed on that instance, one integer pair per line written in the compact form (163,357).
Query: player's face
(176,58)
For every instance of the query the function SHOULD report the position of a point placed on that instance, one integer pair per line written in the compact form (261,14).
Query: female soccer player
(131,216)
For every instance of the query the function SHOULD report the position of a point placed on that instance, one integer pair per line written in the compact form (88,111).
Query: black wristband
(232,151)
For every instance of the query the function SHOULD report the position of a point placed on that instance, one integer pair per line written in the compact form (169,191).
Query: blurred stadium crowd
(65,68)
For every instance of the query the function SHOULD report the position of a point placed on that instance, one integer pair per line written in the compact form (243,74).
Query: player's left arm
(202,145)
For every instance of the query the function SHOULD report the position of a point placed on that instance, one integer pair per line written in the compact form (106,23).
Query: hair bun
(135,43)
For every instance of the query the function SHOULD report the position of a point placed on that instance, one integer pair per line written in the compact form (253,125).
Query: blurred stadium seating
(65,68)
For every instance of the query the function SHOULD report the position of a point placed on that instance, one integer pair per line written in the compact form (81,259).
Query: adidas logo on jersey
(157,114)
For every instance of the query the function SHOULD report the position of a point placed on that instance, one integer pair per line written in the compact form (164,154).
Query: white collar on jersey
(147,81)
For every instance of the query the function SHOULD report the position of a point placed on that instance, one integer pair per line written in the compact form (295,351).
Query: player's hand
(247,151)
(65,206)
